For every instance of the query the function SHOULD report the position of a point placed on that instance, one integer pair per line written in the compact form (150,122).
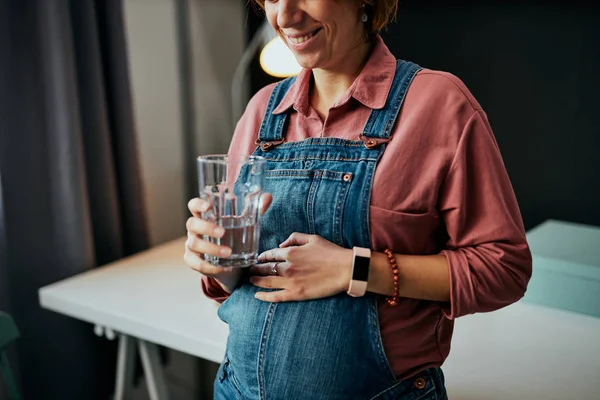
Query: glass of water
(233,186)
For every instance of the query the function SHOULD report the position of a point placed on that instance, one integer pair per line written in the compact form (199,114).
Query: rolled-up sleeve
(487,251)
(212,290)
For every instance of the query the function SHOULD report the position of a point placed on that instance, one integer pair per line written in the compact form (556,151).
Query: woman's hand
(308,267)
(196,246)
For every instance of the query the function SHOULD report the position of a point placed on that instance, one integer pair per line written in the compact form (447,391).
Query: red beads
(393,301)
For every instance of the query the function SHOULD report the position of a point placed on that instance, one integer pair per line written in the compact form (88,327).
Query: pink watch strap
(360,272)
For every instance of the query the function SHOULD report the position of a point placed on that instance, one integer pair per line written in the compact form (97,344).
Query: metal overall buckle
(266,146)
(371,143)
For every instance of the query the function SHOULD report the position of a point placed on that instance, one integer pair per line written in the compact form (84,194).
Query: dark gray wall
(535,68)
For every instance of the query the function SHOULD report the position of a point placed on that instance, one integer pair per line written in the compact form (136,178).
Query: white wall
(217,29)
(218,34)
(154,72)
(217,39)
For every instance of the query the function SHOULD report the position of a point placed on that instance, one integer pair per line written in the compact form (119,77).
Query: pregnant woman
(389,215)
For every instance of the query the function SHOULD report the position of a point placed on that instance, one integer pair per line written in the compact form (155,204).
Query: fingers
(197,245)
(278,296)
(196,262)
(273,255)
(296,239)
(262,269)
(266,269)
(198,229)
(270,275)
(201,227)
(192,259)
(265,202)
(197,206)
(268,282)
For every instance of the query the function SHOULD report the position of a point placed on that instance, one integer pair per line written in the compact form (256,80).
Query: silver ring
(274,269)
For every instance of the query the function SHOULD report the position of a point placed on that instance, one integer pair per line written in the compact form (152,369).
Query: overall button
(347,177)
(370,144)
(266,146)
(420,383)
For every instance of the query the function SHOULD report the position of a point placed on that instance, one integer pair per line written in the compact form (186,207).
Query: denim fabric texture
(325,349)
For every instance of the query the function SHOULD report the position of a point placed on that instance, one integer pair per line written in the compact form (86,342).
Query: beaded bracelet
(392,301)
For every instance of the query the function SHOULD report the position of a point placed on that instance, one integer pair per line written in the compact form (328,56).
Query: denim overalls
(326,349)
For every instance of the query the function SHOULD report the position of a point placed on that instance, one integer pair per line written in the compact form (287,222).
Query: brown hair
(380,13)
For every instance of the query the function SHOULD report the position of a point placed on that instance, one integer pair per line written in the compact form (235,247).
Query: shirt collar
(371,87)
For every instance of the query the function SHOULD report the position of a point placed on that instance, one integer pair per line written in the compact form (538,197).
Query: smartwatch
(360,272)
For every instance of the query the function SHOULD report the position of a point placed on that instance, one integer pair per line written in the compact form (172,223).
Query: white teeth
(302,39)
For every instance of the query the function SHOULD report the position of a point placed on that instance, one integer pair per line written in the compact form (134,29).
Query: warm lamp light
(277,59)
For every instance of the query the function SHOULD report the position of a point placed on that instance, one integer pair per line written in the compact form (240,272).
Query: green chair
(8,334)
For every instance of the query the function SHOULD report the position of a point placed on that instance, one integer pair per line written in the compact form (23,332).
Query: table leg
(125,360)
(153,371)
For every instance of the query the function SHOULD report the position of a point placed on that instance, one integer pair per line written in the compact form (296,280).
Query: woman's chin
(308,62)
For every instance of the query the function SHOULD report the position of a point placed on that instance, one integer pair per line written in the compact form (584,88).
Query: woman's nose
(289,13)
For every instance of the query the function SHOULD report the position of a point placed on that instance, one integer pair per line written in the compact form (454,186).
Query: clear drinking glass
(233,186)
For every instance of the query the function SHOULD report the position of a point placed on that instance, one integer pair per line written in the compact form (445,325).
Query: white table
(147,299)
(522,352)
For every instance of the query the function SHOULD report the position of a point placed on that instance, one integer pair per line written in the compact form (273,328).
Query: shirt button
(420,383)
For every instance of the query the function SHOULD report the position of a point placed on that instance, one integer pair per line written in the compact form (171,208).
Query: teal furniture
(8,334)
(566,267)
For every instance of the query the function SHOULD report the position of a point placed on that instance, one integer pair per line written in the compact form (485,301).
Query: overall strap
(271,130)
(378,128)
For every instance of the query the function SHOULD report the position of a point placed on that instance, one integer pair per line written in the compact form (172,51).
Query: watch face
(361,268)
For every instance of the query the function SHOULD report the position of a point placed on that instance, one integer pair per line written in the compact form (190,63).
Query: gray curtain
(70,190)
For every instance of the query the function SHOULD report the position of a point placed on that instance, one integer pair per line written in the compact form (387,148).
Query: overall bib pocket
(314,198)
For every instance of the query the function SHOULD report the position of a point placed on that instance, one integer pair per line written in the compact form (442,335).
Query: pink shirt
(441,186)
